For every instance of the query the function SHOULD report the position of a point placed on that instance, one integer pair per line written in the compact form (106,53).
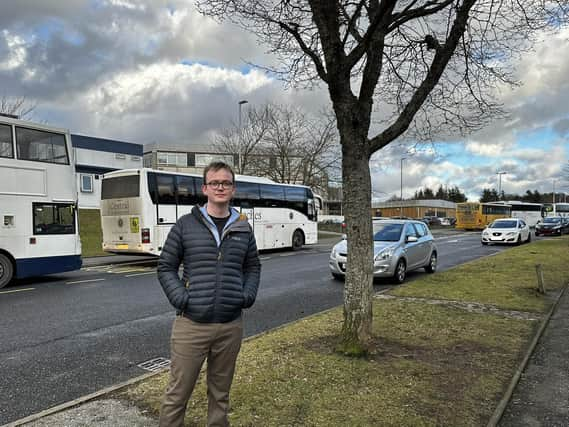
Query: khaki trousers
(191,344)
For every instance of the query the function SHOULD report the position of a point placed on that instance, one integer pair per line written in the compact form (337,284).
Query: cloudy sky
(158,72)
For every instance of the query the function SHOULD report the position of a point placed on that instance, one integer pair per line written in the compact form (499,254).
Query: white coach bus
(530,213)
(139,206)
(38,201)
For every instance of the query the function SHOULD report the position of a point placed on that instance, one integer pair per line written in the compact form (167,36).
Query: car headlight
(485,233)
(333,254)
(511,233)
(557,227)
(384,254)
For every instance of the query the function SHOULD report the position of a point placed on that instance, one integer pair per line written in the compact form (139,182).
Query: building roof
(415,203)
(180,148)
(107,145)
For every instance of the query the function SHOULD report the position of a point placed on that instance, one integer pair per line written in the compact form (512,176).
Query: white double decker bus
(139,206)
(38,201)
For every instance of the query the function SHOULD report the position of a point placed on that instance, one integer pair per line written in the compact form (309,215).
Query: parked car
(506,230)
(552,225)
(448,221)
(399,246)
(431,220)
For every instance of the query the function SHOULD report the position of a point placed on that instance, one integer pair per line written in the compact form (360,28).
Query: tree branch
(440,61)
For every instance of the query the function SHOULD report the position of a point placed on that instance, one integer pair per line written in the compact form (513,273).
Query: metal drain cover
(155,365)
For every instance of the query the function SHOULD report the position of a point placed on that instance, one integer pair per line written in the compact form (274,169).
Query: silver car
(399,246)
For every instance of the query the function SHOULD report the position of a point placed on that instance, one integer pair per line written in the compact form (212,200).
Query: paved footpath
(541,398)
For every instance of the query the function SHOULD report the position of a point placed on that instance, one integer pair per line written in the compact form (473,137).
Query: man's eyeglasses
(220,184)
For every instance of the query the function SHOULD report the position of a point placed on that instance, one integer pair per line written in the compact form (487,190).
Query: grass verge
(429,365)
(90,232)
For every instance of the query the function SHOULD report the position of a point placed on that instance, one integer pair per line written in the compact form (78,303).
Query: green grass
(90,232)
(429,365)
(507,280)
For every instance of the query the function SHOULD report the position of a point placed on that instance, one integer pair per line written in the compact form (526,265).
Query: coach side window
(185,188)
(272,196)
(246,194)
(165,188)
(6,147)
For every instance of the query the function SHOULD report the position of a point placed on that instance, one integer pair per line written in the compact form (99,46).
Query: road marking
(84,281)
(133,270)
(287,254)
(140,274)
(265,258)
(17,290)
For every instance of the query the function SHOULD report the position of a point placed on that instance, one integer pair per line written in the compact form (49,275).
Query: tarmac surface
(542,395)
(540,399)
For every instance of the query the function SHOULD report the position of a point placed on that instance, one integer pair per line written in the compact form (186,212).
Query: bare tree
(244,142)
(280,154)
(17,106)
(284,144)
(437,60)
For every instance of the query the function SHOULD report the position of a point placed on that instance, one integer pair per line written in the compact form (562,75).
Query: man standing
(221,276)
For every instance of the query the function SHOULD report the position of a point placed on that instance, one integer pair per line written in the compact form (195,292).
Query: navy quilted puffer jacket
(221,273)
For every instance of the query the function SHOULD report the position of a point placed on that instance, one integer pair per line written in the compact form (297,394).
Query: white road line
(84,281)
(283,255)
(140,274)
(264,258)
(130,270)
(17,290)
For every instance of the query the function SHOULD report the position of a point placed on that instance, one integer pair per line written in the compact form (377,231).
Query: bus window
(6,146)
(202,199)
(120,187)
(41,146)
(50,218)
(296,199)
(272,196)
(165,189)
(185,188)
(246,194)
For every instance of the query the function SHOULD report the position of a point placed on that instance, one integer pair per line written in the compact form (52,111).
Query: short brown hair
(215,166)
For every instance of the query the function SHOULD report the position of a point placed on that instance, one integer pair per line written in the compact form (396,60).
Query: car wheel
(6,270)
(297,240)
(519,241)
(338,276)
(400,271)
(432,265)
(529,238)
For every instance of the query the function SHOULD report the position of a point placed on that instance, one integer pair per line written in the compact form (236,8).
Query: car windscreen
(387,232)
(551,220)
(504,224)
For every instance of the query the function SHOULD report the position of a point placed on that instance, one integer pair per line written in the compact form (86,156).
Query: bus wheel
(297,240)
(6,270)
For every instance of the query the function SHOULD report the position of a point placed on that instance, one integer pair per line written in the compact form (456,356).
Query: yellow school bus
(476,216)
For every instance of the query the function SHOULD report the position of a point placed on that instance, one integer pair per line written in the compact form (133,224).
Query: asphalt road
(68,335)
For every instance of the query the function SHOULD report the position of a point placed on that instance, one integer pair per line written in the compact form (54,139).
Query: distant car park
(506,230)
(399,246)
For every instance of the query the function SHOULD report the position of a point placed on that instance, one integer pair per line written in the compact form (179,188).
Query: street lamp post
(500,183)
(240,103)
(554,191)
(401,196)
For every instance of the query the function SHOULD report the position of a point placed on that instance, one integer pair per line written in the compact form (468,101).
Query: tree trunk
(358,290)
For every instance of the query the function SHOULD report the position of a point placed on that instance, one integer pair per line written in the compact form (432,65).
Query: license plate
(122,246)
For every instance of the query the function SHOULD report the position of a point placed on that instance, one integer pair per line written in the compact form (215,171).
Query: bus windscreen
(120,187)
